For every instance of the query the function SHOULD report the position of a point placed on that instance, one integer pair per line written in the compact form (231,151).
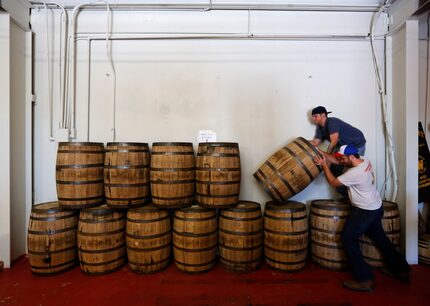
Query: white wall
(255,92)
(5,136)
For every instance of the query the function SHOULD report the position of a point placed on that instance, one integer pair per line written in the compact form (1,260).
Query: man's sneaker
(366,286)
(404,276)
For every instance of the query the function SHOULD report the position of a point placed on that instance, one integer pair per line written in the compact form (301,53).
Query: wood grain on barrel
(149,238)
(126,174)
(285,235)
(79,174)
(52,238)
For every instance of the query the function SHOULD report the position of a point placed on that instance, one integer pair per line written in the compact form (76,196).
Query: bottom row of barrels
(106,239)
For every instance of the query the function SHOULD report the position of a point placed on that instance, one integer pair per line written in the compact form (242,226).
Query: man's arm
(315,142)
(329,158)
(331,179)
(334,138)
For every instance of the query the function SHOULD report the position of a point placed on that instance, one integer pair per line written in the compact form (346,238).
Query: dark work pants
(368,222)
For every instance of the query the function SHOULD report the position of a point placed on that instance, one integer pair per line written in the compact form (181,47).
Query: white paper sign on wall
(206,136)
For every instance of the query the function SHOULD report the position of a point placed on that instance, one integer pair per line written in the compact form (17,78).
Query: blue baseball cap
(346,150)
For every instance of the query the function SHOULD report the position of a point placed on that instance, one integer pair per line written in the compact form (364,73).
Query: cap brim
(337,154)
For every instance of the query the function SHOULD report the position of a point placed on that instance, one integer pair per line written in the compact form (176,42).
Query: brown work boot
(366,286)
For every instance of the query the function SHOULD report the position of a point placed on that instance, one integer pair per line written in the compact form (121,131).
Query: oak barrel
(172,174)
(101,240)
(126,174)
(285,235)
(327,219)
(79,174)
(195,239)
(51,238)
(289,170)
(149,238)
(218,174)
(241,237)
(424,249)
(391,225)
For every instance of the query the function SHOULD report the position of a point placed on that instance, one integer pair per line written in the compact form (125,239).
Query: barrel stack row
(104,239)
(126,175)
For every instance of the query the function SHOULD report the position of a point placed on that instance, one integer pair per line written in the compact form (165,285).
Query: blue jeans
(368,222)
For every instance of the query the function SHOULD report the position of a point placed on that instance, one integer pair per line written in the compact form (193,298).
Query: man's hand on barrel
(320,160)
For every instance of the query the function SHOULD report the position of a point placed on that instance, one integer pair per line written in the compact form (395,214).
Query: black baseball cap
(320,110)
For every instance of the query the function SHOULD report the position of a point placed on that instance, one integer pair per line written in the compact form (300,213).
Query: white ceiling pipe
(179,36)
(209,5)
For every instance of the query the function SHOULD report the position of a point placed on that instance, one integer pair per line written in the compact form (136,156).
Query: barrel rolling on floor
(79,174)
(52,238)
(126,174)
(289,170)
(285,235)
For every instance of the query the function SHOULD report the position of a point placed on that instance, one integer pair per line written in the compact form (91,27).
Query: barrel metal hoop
(234,233)
(195,250)
(120,231)
(126,166)
(148,221)
(240,219)
(303,250)
(79,182)
(127,185)
(149,236)
(266,230)
(251,248)
(72,248)
(193,235)
(284,262)
(164,246)
(83,166)
(172,169)
(53,232)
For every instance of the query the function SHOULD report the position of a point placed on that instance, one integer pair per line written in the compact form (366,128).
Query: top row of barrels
(125,174)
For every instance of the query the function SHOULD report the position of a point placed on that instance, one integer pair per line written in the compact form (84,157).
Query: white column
(411,126)
(5,138)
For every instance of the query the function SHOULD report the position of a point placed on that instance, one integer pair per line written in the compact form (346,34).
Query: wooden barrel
(51,238)
(101,240)
(289,170)
(218,174)
(241,237)
(172,174)
(79,174)
(195,239)
(285,235)
(424,249)
(391,224)
(126,174)
(149,238)
(327,219)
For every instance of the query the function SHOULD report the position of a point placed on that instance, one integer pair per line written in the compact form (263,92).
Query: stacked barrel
(124,203)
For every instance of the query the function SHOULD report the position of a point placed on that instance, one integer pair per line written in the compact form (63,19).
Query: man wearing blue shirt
(336,131)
